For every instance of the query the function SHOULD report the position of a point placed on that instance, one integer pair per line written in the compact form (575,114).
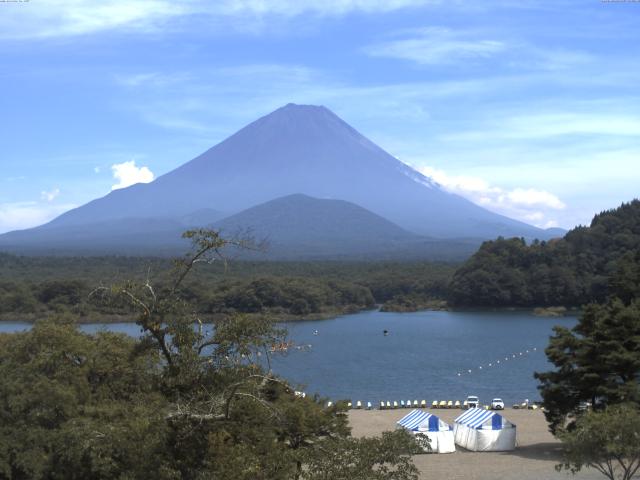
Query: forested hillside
(572,271)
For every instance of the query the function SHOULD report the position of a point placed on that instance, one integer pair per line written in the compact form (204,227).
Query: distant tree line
(572,271)
(578,269)
(33,287)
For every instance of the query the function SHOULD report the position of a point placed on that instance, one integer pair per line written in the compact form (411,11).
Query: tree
(185,401)
(79,406)
(383,458)
(625,281)
(597,361)
(608,441)
(222,389)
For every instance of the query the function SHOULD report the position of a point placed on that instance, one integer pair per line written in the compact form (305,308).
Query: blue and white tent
(484,431)
(439,433)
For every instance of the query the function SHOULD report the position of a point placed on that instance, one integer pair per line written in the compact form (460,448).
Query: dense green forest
(33,287)
(578,269)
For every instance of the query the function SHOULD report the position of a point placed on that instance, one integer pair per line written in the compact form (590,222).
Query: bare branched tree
(238,345)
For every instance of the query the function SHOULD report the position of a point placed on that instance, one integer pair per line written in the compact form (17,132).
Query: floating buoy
(515,355)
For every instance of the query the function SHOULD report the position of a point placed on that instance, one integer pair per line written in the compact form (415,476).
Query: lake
(426,355)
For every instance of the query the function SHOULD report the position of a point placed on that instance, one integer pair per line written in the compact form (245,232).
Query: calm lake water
(420,358)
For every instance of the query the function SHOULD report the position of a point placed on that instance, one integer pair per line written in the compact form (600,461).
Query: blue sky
(530,108)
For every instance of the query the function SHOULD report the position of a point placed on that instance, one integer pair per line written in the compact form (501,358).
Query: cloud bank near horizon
(529,205)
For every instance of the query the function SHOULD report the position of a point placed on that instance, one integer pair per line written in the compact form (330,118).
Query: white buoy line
(499,362)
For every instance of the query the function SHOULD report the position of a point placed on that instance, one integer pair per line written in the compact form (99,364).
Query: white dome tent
(481,430)
(439,433)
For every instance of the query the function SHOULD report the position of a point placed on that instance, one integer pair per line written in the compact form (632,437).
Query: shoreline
(290,318)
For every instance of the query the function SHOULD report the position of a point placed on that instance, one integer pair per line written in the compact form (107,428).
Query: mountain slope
(300,219)
(301,227)
(295,227)
(303,149)
(130,235)
(296,149)
(298,226)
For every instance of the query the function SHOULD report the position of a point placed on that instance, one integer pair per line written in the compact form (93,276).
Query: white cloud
(291,8)
(526,204)
(534,216)
(51,195)
(58,18)
(432,46)
(21,215)
(127,174)
(445,46)
(554,124)
(531,197)
(151,79)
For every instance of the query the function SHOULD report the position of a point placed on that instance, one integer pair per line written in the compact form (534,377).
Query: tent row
(477,430)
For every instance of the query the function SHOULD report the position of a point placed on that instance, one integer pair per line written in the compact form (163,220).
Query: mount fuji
(297,151)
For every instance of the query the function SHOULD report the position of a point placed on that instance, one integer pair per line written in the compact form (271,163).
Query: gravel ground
(534,458)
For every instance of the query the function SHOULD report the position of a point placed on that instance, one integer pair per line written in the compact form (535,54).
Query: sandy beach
(534,458)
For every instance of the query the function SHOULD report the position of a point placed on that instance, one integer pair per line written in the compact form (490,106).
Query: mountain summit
(298,149)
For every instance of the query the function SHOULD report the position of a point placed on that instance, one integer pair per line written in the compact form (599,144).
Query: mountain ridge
(295,227)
